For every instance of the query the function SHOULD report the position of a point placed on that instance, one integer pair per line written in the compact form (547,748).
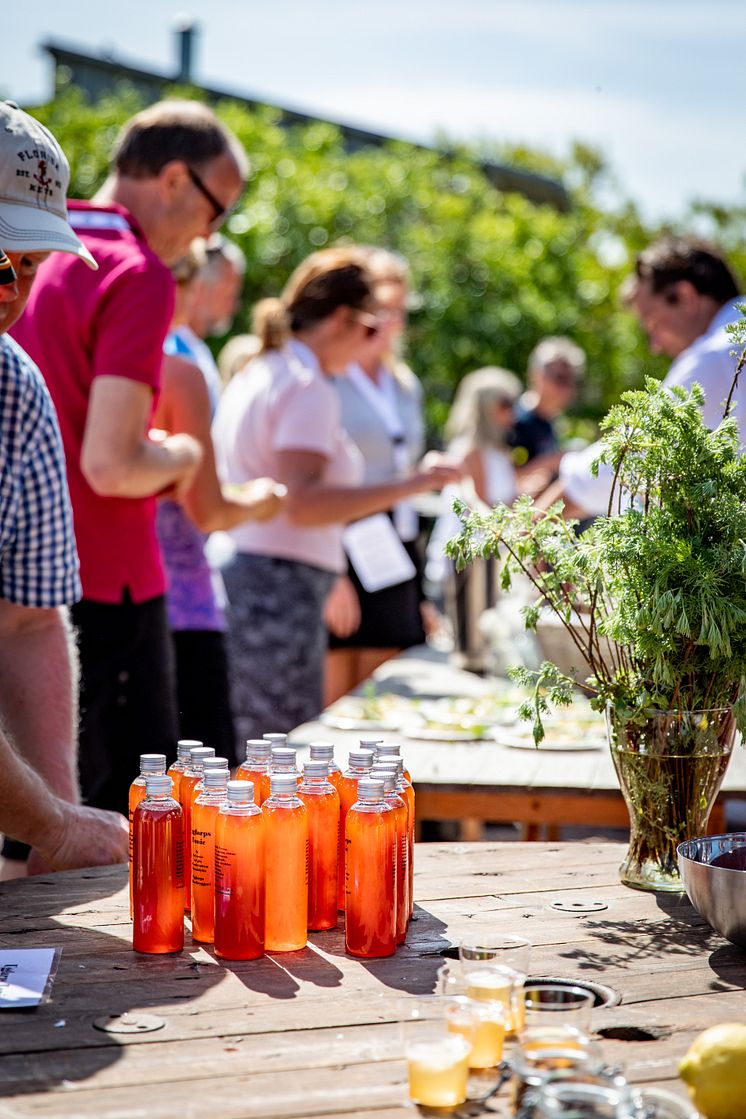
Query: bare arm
(38,683)
(310,502)
(474,466)
(117,458)
(556,492)
(39,791)
(184,405)
(62,835)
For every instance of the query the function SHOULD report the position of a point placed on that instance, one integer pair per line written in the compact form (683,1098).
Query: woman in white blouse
(280,417)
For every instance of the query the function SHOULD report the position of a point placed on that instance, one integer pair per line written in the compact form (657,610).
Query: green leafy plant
(652,596)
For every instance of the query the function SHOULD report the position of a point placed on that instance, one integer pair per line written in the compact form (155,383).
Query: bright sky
(656,84)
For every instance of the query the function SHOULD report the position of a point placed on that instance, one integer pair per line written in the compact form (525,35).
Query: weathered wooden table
(312,1033)
(474,782)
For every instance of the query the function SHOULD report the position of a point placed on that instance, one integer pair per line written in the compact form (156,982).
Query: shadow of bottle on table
(414,967)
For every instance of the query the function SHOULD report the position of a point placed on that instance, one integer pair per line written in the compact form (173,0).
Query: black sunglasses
(221,212)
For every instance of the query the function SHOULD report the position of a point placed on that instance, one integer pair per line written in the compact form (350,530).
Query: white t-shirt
(282,401)
(709,361)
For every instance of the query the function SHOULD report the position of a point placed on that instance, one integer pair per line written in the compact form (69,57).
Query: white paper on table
(377,554)
(26,975)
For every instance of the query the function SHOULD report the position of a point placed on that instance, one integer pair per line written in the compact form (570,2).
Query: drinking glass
(549,1007)
(565,1057)
(438,1037)
(567,1099)
(491,1015)
(495,969)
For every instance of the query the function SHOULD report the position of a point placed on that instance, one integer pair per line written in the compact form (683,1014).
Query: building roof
(98,73)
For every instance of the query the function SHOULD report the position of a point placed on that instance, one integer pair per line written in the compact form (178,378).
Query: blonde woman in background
(381,403)
(477,429)
(280,416)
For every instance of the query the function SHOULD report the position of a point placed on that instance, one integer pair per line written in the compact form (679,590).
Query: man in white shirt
(684,294)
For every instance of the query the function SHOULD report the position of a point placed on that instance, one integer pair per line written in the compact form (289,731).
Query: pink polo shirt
(79,325)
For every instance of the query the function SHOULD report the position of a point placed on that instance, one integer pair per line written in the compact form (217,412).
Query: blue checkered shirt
(38,558)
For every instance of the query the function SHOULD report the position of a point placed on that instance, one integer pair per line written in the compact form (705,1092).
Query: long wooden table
(475,782)
(314,1033)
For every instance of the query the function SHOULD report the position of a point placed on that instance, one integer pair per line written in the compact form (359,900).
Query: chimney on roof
(186,34)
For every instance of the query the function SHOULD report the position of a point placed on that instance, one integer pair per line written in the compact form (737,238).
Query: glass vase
(670,767)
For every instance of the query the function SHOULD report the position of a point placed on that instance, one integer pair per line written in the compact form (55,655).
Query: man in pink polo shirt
(98,339)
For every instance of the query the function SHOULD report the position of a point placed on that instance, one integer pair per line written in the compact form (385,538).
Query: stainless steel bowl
(713,870)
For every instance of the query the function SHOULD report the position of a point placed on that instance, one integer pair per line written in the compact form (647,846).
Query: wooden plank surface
(314,1032)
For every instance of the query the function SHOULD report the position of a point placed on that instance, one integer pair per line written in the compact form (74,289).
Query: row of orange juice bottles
(261,860)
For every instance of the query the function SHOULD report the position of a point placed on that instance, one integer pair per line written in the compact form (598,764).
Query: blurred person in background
(236,353)
(477,429)
(685,295)
(175,175)
(195,596)
(39,791)
(281,417)
(382,413)
(556,366)
(211,308)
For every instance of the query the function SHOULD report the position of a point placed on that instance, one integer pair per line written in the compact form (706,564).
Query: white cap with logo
(34,176)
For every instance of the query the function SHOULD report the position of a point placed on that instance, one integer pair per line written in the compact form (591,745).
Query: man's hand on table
(79,836)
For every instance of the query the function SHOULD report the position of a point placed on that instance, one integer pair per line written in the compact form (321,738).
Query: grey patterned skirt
(276,642)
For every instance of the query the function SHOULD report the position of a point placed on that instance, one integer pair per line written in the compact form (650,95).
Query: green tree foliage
(494,272)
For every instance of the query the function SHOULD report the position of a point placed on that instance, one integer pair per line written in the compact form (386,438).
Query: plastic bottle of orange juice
(386,750)
(322,805)
(183,752)
(149,763)
(158,862)
(324,752)
(406,791)
(286,881)
(204,817)
(191,776)
(282,760)
(239,875)
(256,766)
(401,818)
(359,765)
(370,873)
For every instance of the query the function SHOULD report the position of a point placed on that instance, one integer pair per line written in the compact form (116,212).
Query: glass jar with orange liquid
(158,864)
(149,763)
(322,805)
(359,765)
(401,820)
(324,752)
(239,875)
(370,874)
(183,754)
(204,818)
(256,766)
(406,791)
(286,880)
(191,776)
